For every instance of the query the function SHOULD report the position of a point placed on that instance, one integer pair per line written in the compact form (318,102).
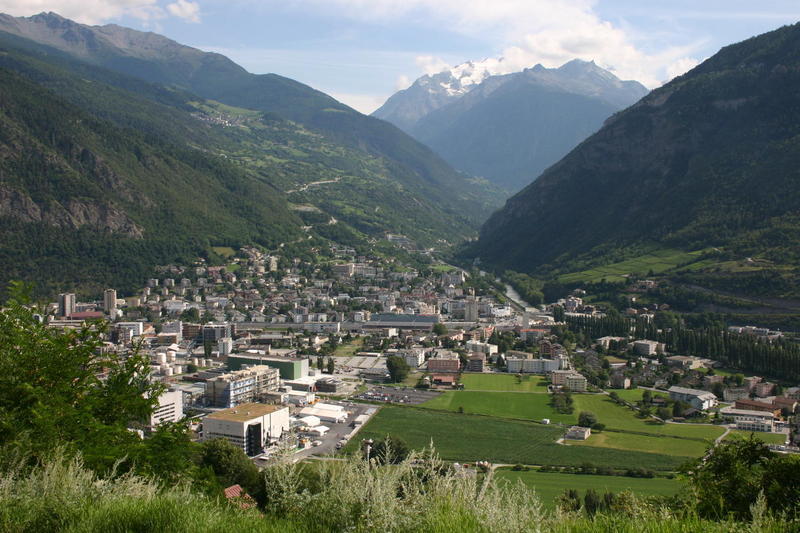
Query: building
(620,381)
(251,426)
(66,304)
(110,301)
(533,366)
(214,332)
(735,393)
(471,313)
(169,408)
(764,389)
(402,321)
(753,405)
(326,412)
(289,367)
(647,348)
(559,377)
(328,385)
(476,362)
(241,386)
(481,347)
(749,420)
(576,383)
(699,399)
(444,363)
(578,433)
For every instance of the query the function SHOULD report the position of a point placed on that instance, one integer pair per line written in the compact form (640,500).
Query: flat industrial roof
(245,412)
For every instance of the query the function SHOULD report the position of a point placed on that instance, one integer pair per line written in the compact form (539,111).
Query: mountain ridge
(707,160)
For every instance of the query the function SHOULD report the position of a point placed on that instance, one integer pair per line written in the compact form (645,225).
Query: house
(578,433)
(699,399)
(620,381)
(647,348)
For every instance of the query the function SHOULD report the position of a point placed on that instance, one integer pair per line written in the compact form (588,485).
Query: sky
(362,51)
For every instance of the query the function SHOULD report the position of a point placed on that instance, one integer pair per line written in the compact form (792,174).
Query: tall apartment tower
(66,304)
(109,301)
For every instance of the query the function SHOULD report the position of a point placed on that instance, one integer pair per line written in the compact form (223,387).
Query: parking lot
(406,395)
(337,431)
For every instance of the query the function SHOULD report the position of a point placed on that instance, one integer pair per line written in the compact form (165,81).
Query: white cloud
(185,9)
(402,82)
(431,64)
(550,32)
(100,11)
(365,103)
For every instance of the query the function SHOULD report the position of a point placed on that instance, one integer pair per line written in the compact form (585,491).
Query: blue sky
(361,51)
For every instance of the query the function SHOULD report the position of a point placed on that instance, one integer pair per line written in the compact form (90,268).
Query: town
(272,353)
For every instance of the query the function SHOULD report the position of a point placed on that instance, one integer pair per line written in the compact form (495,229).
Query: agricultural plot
(618,417)
(463,437)
(643,443)
(504,383)
(500,404)
(657,261)
(537,407)
(549,485)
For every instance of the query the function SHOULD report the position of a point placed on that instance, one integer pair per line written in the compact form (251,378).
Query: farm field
(643,443)
(536,407)
(463,437)
(550,485)
(769,438)
(504,382)
(658,261)
(500,404)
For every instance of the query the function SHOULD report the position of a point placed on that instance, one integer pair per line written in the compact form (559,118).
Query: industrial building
(251,426)
(289,367)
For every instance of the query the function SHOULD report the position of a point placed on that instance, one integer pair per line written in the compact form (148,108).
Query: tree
(440,329)
(587,419)
(397,367)
(647,397)
(331,365)
(51,393)
(390,450)
(733,475)
(231,466)
(664,413)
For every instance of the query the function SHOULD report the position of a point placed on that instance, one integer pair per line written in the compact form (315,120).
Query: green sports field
(464,437)
(549,485)
(504,382)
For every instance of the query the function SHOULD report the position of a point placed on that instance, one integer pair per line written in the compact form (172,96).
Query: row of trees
(780,357)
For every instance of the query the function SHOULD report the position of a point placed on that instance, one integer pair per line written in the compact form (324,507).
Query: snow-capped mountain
(432,91)
(508,127)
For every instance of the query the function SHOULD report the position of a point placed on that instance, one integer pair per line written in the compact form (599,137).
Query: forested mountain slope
(711,159)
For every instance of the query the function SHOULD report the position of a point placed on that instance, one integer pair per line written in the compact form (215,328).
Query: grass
(500,404)
(550,485)
(657,261)
(630,441)
(463,437)
(349,349)
(634,395)
(504,382)
(769,438)
(224,251)
(536,407)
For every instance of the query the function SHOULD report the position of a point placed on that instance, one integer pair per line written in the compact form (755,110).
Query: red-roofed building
(236,494)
